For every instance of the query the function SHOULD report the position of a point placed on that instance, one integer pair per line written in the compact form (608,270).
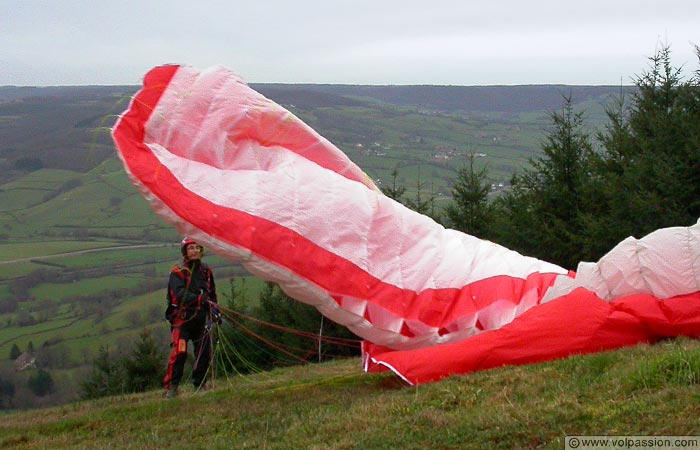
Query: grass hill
(638,391)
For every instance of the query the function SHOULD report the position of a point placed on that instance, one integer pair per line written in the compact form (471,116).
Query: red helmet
(185,242)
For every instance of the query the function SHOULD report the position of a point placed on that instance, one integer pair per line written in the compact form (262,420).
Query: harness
(176,313)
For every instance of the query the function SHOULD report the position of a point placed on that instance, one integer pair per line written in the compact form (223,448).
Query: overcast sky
(444,42)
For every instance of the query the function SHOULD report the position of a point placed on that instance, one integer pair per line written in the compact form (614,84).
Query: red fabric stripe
(578,323)
(130,130)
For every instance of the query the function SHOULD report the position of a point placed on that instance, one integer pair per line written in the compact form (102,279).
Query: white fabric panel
(665,263)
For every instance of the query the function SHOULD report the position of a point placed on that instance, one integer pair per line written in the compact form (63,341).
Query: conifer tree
(144,366)
(15,352)
(470,211)
(541,213)
(420,202)
(283,344)
(395,191)
(649,170)
(106,377)
(7,392)
(41,383)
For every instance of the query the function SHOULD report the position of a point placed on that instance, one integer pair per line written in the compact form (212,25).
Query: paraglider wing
(641,291)
(248,179)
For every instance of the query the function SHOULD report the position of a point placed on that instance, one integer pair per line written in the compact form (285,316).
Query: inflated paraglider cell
(251,181)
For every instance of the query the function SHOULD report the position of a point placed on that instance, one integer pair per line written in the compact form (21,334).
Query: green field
(21,250)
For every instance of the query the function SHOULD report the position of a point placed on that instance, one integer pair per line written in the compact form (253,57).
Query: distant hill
(8,93)
(521,98)
(67,127)
(59,127)
(510,99)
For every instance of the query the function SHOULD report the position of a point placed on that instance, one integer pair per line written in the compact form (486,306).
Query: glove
(170,313)
(215,313)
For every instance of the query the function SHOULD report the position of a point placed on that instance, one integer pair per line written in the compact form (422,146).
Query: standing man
(192,306)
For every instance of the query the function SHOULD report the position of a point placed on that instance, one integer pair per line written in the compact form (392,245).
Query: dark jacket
(190,289)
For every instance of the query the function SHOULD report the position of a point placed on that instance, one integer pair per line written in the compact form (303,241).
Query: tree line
(587,192)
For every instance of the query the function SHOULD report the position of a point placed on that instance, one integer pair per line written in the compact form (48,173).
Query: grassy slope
(642,390)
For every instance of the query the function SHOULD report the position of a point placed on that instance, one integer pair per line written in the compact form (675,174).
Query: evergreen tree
(41,383)
(138,371)
(648,175)
(284,345)
(106,377)
(7,392)
(238,351)
(144,366)
(470,211)
(420,203)
(574,204)
(283,332)
(15,352)
(395,191)
(541,213)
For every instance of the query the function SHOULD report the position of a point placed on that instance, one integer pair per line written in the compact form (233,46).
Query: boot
(171,392)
